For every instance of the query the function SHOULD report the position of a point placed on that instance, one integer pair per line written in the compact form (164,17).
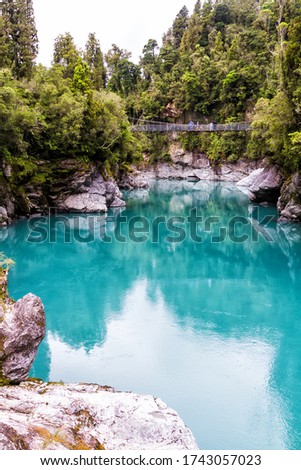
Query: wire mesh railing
(191,127)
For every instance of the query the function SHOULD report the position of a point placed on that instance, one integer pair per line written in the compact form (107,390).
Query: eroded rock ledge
(80,416)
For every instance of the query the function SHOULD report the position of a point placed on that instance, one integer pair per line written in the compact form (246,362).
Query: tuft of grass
(5,263)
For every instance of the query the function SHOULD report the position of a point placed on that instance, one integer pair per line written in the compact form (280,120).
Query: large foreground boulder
(289,203)
(38,415)
(22,328)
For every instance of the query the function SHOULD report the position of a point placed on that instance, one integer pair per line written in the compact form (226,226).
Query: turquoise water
(213,327)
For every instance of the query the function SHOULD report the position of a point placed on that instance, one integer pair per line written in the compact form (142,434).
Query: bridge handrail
(170,127)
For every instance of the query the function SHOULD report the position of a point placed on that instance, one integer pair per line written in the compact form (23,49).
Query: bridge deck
(168,127)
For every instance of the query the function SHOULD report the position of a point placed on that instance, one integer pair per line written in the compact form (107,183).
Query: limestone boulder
(267,185)
(95,195)
(38,416)
(22,328)
(245,183)
(84,202)
(113,195)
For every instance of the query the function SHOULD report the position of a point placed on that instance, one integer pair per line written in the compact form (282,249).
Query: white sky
(127,23)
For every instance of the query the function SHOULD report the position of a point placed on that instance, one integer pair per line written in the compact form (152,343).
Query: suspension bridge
(139,125)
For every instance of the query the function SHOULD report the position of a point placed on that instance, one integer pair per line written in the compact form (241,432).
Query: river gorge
(210,325)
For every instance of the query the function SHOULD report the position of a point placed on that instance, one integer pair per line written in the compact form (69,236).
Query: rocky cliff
(263,182)
(63,185)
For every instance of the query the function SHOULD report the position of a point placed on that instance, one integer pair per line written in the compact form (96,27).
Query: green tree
(270,127)
(66,54)
(124,75)
(81,78)
(5,60)
(149,60)
(192,34)
(94,58)
(168,55)
(179,26)
(197,8)
(20,41)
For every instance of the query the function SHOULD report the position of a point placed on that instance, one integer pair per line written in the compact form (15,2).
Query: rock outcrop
(92,196)
(4,219)
(22,328)
(67,186)
(267,185)
(245,183)
(198,167)
(289,203)
(38,415)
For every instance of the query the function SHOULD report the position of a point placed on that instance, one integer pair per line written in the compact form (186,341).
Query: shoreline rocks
(93,196)
(261,181)
(37,415)
(74,186)
(69,186)
(263,185)
(141,176)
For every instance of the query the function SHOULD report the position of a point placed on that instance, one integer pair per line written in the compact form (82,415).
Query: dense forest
(227,61)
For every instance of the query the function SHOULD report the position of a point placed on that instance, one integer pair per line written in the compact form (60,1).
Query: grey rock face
(94,195)
(266,186)
(3,217)
(7,209)
(113,195)
(234,172)
(245,183)
(81,416)
(71,186)
(83,202)
(186,166)
(289,203)
(135,180)
(22,328)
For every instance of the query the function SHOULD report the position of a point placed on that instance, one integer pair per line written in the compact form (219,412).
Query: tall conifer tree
(94,58)
(20,40)
(179,26)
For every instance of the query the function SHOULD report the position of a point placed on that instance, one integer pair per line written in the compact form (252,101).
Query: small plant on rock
(5,263)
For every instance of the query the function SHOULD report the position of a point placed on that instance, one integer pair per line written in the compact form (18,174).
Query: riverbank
(78,187)
(264,182)
(66,185)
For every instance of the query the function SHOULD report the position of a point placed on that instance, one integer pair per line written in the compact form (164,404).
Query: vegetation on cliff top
(229,60)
